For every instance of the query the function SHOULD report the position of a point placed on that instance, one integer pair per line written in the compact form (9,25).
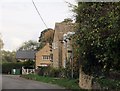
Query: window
(46,57)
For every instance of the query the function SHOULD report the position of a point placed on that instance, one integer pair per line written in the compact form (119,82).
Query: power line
(39,14)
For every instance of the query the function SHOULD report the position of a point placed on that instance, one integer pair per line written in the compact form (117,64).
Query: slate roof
(25,54)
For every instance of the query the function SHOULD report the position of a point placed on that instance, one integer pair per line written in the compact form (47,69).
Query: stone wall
(59,51)
(39,56)
(85,81)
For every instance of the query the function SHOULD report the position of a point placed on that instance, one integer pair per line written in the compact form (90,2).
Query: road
(16,82)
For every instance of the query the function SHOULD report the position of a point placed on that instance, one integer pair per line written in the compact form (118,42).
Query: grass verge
(67,83)
(109,83)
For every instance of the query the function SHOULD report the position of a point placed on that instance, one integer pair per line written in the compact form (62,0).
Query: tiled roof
(25,54)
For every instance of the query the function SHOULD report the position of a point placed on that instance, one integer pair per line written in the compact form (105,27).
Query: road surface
(16,82)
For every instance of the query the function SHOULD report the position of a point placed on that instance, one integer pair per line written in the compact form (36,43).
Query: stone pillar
(85,81)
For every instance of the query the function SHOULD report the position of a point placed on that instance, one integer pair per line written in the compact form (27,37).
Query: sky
(20,22)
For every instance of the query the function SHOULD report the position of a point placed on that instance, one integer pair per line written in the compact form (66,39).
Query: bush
(54,72)
(114,75)
(51,72)
(110,84)
(40,71)
(7,67)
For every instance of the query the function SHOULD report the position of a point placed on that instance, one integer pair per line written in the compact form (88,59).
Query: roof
(64,28)
(25,54)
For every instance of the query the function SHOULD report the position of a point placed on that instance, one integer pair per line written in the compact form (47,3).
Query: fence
(27,71)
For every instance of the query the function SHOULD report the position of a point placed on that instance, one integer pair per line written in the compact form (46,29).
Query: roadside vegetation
(109,84)
(58,76)
(98,37)
(97,41)
(64,82)
(7,67)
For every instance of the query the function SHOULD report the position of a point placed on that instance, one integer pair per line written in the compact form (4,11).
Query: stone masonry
(59,50)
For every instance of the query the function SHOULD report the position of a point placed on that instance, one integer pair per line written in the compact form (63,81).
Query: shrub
(114,75)
(7,67)
(51,72)
(41,71)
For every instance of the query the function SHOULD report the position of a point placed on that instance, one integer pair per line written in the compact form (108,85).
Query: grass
(109,83)
(67,83)
(73,83)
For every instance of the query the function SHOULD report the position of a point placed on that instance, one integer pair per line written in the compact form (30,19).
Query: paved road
(16,82)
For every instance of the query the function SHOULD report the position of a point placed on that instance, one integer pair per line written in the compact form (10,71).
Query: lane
(16,82)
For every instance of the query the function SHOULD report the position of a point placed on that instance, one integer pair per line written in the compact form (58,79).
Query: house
(24,55)
(43,57)
(60,49)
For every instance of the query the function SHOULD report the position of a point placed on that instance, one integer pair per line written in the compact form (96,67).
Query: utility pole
(72,62)
(67,39)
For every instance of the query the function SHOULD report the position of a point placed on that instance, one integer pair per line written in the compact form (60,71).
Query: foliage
(41,71)
(98,36)
(28,64)
(46,37)
(8,56)
(109,84)
(1,42)
(7,67)
(75,68)
(76,57)
(29,45)
(68,69)
(57,72)
(67,20)
(1,46)
(51,72)
(67,83)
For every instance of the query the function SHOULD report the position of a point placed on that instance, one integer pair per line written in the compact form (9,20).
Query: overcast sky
(19,21)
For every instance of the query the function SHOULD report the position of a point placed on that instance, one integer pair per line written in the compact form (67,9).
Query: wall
(59,52)
(44,51)
(85,81)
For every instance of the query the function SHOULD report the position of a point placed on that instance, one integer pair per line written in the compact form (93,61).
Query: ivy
(98,36)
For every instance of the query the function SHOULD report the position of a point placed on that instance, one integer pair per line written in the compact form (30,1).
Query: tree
(98,36)
(29,45)
(8,56)
(1,46)
(29,64)
(1,42)
(46,36)
(67,20)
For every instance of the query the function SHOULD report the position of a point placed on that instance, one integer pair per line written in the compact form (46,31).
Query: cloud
(16,42)
(13,43)
(20,22)
(31,0)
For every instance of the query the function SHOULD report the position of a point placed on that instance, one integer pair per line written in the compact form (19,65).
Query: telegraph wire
(39,14)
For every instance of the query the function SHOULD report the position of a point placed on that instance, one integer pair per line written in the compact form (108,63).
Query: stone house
(43,57)
(60,49)
(26,55)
